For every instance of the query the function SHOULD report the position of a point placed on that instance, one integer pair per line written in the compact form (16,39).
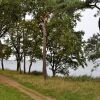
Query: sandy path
(33,94)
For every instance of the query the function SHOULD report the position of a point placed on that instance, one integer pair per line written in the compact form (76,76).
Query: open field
(81,88)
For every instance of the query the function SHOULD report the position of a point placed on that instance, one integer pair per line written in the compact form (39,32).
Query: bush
(37,73)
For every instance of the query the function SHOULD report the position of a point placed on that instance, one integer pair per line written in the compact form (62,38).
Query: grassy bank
(9,93)
(81,88)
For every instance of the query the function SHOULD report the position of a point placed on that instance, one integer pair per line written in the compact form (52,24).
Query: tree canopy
(49,34)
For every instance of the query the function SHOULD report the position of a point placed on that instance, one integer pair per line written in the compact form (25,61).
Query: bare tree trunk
(24,37)
(2,64)
(18,62)
(18,65)
(24,64)
(18,56)
(53,71)
(30,67)
(44,49)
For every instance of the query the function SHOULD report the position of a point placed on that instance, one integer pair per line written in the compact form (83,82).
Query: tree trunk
(2,64)
(24,64)
(44,50)
(18,56)
(24,37)
(54,73)
(53,70)
(18,65)
(30,67)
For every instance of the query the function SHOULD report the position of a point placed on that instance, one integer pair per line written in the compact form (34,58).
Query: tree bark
(2,64)
(24,64)
(54,73)
(18,65)
(18,62)
(24,37)
(18,55)
(30,67)
(44,49)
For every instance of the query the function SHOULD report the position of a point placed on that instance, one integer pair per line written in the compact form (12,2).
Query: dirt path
(33,94)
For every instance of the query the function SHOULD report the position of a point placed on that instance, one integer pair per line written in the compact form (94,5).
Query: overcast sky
(89,23)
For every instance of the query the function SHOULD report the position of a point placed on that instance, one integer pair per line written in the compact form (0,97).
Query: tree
(43,13)
(64,45)
(10,12)
(5,53)
(92,48)
(15,42)
(92,44)
(93,4)
(32,42)
(25,40)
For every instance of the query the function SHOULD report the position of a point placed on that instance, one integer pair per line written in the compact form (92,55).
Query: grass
(71,88)
(9,93)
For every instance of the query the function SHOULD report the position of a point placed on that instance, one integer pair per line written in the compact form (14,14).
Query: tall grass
(67,88)
(10,93)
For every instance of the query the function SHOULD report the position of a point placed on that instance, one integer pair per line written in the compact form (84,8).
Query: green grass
(9,93)
(71,88)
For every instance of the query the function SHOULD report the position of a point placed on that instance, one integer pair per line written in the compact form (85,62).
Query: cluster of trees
(48,35)
(92,46)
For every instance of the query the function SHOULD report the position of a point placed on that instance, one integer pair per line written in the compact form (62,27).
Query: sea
(37,66)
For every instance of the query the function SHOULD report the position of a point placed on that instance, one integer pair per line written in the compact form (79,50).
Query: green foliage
(9,15)
(65,51)
(63,44)
(59,18)
(93,47)
(5,51)
(32,40)
(92,50)
(26,37)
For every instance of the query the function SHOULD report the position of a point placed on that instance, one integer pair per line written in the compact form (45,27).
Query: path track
(32,93)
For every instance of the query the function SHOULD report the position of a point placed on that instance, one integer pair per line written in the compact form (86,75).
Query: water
(11,64)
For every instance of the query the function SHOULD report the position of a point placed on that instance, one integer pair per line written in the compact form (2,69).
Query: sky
(89,23)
